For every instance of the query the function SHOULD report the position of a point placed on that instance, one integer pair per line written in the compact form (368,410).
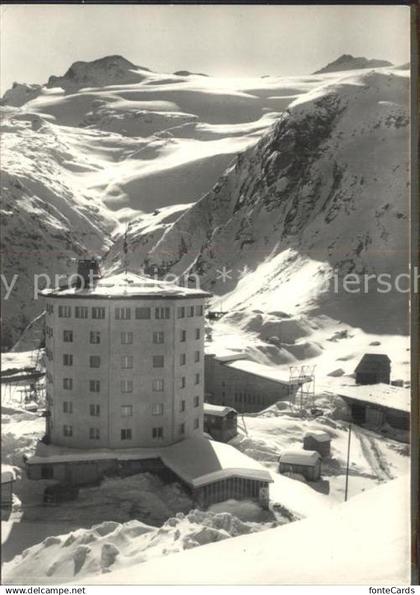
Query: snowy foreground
(137,529)
(364,541)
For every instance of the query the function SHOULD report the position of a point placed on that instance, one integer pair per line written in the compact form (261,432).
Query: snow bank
(112,546)
(365,541)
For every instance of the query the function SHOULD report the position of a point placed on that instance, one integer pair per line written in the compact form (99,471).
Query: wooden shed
(220,422)
(318,441)
(373,368)
(302,462)
(7,480)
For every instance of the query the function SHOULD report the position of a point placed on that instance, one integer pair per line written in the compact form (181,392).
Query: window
(199,310)
(94,361)
(67,359)
(197,333)
(49,331)
(126,338)
(158,361)
(94,386)
(162,313)
(143,313)
(94,410)
(68,383)
(47,472)
(81,312)
(157,385)
(126,410)
(122,314)
(157,409)
(190,311)
(158,337)
(68,336)
(182,405)
(98,313)
(157,433)
(181,429)
(196,423)
(182,359)
(50,308)
(126,386)
(127,362)
(94,433)
(67,407)
(64,311)
(95,337)
(196,401)
(197,379)
(182,336)
(196,356)
(67,431)
(181,382)
(181,312)
(126,434)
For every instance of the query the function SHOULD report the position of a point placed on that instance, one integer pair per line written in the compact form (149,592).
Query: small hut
(221,423)
(7,480)
(318,441)
(301,462)
(373,368)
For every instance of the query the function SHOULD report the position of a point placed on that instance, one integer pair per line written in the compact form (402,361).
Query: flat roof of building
(309,458)
(125,286)
(318,435)
(383,395)
(268,372)
(196,461)
(218,410)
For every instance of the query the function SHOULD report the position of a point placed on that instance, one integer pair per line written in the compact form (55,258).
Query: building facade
(247,388)
(125,363)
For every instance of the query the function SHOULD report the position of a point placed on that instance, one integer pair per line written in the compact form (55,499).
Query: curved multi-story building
(125,363)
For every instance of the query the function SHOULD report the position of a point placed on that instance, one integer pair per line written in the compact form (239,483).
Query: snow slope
(364,541)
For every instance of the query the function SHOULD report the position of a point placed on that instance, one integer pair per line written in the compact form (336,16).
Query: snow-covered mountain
(349,62)
(324,188)
(107,141)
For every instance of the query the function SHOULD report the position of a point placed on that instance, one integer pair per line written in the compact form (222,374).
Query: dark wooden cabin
(373,368)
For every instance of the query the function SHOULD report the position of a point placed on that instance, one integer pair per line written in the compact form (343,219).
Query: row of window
(127,361)
(126,433)
(126,337)
(127,410)
(127,385)
(248,398)
(125,313)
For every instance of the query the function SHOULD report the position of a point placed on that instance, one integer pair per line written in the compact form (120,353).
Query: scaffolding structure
(302,397)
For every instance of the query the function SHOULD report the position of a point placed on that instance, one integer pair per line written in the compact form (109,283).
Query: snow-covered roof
(218,410)
(384,395)
(7,474)
(300,457)
(318,435)
(273,373)
(127,285)
(197,461)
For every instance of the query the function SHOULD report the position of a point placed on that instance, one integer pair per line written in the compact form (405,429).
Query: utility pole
(348,464)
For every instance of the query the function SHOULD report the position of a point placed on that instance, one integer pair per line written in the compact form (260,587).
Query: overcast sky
(40,40)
